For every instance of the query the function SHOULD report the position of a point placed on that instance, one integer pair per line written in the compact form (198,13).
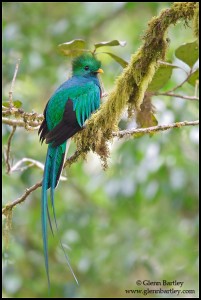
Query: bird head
(86,65)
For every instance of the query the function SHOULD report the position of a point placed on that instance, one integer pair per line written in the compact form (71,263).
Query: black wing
(66,128)
(43,130)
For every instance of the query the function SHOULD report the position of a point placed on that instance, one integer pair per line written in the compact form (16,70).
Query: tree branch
(28,191)
(182,83)
(29,126)
(191,98)
(154,129)
(164,63)
(73,158)
(12,84)
(33,162)
(8,167)
(30,121)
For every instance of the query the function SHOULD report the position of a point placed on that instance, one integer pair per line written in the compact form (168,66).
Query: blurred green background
(136,220)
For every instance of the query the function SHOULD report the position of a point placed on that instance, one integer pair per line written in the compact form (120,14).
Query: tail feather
(49,220)
(53,168)
(44,213)
(53,184)
(68,262)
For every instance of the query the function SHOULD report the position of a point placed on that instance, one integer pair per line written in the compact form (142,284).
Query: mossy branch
(196,21)
(131,85)
(29,121)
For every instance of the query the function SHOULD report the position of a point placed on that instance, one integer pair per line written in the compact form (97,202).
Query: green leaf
(17,103)
(110,43)
(73,48)
(161,77)
(118,59)
(194,77)
(6,103)
(188,53)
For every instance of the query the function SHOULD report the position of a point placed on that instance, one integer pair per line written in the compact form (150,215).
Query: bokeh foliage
(138,219)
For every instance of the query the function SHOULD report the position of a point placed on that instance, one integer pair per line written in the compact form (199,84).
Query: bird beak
(99,71)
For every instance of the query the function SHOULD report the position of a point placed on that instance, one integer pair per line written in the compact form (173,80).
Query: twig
(164,63)
(23,160)
(33,162)
(192,98)
(184,81)
(73,158)
(20,113)
(22,198)
(196,88)
(12,84)
(30,121)
(32,125)
(8,167)
(148,130)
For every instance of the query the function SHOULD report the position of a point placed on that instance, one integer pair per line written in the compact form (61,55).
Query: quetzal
(64,115)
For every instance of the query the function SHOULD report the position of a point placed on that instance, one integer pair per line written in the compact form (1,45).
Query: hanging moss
(8,224)
(196,21)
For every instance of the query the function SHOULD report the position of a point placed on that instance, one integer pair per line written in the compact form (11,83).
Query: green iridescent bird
(64,115)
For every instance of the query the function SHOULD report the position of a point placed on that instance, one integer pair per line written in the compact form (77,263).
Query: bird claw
(104,95)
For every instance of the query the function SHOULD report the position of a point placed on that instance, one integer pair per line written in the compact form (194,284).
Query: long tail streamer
(52,164)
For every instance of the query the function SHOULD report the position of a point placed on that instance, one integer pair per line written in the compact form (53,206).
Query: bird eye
(86,68)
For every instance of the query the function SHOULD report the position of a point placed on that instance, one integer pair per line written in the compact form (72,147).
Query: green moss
(8,224)
(196,21)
